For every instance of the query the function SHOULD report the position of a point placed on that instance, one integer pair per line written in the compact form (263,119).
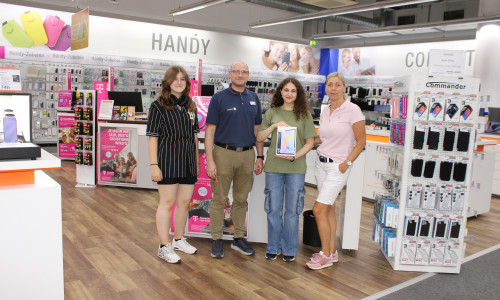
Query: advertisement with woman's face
(287,57)
(357,61)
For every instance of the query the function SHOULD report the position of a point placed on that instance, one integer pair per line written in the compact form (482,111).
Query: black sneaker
(271,256)
(242,246)
(217,249)
(288,258)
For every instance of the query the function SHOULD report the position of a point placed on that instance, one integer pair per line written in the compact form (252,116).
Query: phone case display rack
(85,134)
(371,93)
(420,219)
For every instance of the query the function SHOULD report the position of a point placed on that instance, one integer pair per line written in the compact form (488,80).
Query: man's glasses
(236,72)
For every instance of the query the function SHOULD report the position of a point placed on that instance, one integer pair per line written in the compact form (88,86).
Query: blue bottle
(9,126)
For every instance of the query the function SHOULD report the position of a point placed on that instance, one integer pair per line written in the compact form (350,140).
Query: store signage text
(445,85)
(179,44)
(421,59)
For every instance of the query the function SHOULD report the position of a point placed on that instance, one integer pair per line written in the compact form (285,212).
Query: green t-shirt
(305,130)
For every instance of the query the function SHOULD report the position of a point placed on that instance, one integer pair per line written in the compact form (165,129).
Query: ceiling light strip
(195,6)
(350,9)
(479,20)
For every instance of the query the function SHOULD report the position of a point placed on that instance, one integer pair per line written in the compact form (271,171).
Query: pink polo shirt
(335,131)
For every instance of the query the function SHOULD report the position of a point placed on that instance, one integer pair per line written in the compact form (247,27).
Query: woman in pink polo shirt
(342,138)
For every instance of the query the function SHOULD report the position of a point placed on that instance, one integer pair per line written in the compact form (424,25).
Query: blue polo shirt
(235,114)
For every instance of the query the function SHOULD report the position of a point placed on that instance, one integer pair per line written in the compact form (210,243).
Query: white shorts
(329,180)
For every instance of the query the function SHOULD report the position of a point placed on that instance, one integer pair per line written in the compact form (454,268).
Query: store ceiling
(234,16)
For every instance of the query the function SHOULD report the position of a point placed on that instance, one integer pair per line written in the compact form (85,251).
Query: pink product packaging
(53,27)
(64,40)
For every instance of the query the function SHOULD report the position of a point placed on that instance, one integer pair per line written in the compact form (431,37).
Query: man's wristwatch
(349,163)
(260,156)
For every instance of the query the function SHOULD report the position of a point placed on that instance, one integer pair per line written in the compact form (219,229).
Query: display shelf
(433,127)
(46,162)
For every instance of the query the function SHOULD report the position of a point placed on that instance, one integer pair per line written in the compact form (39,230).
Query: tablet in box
(286,141)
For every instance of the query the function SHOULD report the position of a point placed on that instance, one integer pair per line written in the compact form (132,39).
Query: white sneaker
(183,246)
(168,254)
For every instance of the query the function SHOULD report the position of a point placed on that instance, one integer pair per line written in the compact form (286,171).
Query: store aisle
(110,253)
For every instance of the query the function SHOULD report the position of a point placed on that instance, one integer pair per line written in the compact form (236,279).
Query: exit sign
(312,43)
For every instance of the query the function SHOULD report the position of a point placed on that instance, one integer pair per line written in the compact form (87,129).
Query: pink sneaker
(335,257)
(320,261)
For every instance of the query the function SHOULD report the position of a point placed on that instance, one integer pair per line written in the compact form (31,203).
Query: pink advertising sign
(199,217)
(66,142)
(202,103)
(65,99)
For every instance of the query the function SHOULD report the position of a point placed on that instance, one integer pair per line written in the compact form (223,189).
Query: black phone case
(454,230)
(424,228)
(463,141)
(445,170)
(429,169)
(449,140)
(411,228)
(459,171)
(416,167)
(418,139)
(440,229)
(433,140)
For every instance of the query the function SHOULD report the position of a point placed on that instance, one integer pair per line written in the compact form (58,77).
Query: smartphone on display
(286,58)
(436,109)
(466,111)
(452,110)
(421,107)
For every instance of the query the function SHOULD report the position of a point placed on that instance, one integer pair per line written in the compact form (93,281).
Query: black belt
(325,159)
(238,149)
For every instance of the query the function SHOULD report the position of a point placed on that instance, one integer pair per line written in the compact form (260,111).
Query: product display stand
(84,128)
(421,218)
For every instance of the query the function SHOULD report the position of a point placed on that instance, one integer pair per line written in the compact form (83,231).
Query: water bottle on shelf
(9,126)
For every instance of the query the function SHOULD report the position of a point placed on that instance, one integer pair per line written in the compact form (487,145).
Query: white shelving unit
(439,114)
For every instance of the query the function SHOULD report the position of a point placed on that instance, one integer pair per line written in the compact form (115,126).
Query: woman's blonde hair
(336,74)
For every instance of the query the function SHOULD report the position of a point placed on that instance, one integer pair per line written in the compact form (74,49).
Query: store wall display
(432,171)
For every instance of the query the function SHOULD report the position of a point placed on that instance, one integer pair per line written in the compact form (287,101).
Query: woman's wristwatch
(349,163)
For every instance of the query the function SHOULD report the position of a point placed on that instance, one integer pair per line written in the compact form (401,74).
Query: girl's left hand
(290,158)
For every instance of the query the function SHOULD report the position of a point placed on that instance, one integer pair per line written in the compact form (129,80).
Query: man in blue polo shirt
(233,120)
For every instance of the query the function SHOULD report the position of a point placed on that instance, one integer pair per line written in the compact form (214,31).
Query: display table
(31,256)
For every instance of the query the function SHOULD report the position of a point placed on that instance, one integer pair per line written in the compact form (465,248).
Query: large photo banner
(118,152)
(357,61)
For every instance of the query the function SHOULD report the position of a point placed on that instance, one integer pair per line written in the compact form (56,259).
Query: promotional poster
(117,155)
(66,137)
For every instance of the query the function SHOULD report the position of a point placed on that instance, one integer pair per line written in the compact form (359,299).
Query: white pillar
(487,59)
